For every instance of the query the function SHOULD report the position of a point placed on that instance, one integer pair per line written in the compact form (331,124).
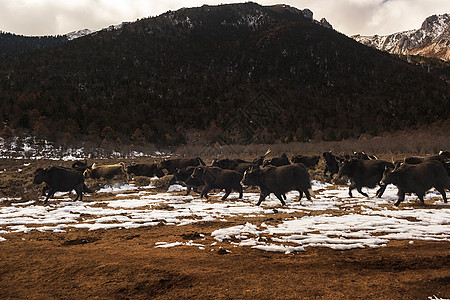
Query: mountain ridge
(41,42)
(161,79)
(12,44)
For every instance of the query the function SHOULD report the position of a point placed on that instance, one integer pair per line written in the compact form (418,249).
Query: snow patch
(331,219)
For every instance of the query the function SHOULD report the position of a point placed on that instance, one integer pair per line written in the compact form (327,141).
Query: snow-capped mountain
(83,32)
(78,33)
(431,40)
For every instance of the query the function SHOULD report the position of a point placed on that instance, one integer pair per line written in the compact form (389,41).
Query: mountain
(431,40)
(78,33)
(229,73)
(12,44)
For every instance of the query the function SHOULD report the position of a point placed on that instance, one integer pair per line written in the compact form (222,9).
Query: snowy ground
(332,219)
(32,148)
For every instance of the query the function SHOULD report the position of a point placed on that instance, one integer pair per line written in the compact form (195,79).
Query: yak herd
(277,175)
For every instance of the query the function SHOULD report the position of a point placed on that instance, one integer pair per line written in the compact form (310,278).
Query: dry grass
(386,147)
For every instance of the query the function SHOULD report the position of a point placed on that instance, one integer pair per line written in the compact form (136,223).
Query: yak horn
(267,152)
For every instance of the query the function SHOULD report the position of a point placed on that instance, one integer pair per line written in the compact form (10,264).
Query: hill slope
(12,44)
(203,69)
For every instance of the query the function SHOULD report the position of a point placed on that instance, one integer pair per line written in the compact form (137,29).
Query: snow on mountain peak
(78,33)
(431,40)
(436,23)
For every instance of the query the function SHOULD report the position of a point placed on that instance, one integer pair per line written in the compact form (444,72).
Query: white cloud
(43,17)
(375,16)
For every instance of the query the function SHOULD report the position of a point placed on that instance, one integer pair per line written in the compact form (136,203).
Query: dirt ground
(124,263)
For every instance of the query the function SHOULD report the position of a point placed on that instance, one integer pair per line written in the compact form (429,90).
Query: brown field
(124,263)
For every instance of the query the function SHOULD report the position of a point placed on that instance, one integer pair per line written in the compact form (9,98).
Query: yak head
(39,176)
(178,176)
(344,168)
(80,166)
(207,174)
(198,172)
(159,172)
(221,163)
(251,176)
(390,175)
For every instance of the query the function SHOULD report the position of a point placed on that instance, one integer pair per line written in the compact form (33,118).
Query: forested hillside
(202,70)
(13,44)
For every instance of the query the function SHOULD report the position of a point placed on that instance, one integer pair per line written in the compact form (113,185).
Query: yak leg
(51,192)
(442,191)
(279,196)
(308,195)
(188,190)
(350,188)
(44,190)
(301,195)
(401,197)
(196,189)
(79,190)
(227,193)
(205,191)
(420,196)
(381,191)
(79,195)
(359,189)
(241,193)
(262,196)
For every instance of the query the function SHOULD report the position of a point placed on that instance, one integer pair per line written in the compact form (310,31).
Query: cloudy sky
(367,17)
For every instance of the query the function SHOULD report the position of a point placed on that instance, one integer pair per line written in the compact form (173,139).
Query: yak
(279,181)
(171,165)
(238,165)
(331,163)
(60,179)
(282,160)
(106,171)
(217,178)
(417,179)
(364,173)
(183,176)
(80,166)
(308,161)
(148,170)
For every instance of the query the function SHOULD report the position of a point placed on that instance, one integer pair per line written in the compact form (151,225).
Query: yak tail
(311,193)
